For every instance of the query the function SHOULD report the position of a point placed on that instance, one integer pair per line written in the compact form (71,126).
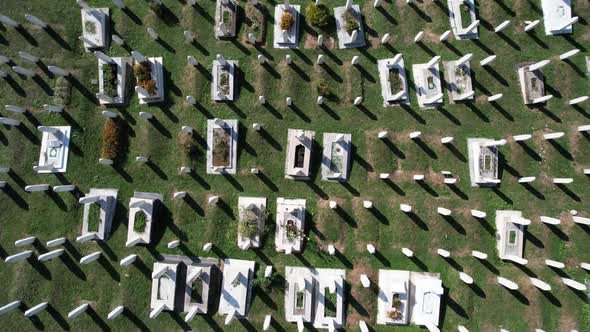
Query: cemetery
(421,165)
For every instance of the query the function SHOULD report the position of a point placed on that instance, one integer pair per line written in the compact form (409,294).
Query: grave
(532,84)
(149,73)
(224,77)
(251,223)
(95,27)
(164,277)
(428,83)
(286,25)
(197,288)
(462,15)
(483,161)
(225,18)
(112,80)
(394,81)
(236,291)
(349,26)
(299,293)
(406,297)
(458,78)
(329,299)
(557,16)
(143,211)
(99,211)
(336,157)
(290,225)
(222,146)
(298,159)
(53,155)
(509,234)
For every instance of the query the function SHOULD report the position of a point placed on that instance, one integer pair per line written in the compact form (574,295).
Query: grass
(140,222)
(93,217)
(330,304)
(350,228)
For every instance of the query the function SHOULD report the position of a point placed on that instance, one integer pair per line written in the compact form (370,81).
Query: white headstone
(10,122)
(118,40)
(465,278)
(479,255)
(321,58)
(138,56)
(555,264)
(15,109)
(266,324)
(331,250)
(407,252)
(540,284)
(358,100)
(445,36)
(191,60)
(90,258)
(8,21)
(207,247)
(53,108)
(355,60)
(531,25)
(36,309)
(23,71)
(105,161)
(495,97)
(443,253)
(487,60)
(365,281)
(36,187)
(320,40)
(367,204)
(128,260)
(371,249)
(386,37)
(146,115)
(9,307)
(25,242)
(56,242)
(21,256)
(261,59)
(79,310)
(419,36)
(28,57)
(117,311)
(574,284)
(568,54)
(221,59)
(507,283)
(179,195)
(104,57)
(405,208)
(153,34)
(443,211)
(213,200)
(501,26)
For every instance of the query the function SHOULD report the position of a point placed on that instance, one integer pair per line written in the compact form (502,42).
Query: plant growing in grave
(394,314)
(223,84)
(90,27)
(143,76)
(226,17)
(254,21)
(113,140)
(275,281)
(394,80)
(317,15)
(221,147)
(396,302)
(93,217)
(465,14)
(109,79)
(322,88)
(140,222)
(249,225)
(350,21)
(286,21)
(330,303)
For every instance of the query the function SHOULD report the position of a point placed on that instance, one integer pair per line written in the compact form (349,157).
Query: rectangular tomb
(225,18)
(197,284)
(298,159)
(237,287)
(462,16)
(252,217)
(224,77)
(557,14)
(164,278)
(97,217)
(509,234)
(532,84)
(394,81)
(112,80)
(151,81)
(299,294)
(353,16)
(53,155)
(289,38)
(336,157)
(222,146)
(290,225)
(330,294)
(95,28)
(483,162)
(428,85)
(458,78)
(142,213)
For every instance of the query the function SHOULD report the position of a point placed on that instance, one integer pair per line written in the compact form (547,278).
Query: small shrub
(350,22)
(142,71)
(187,144)
(155,7)
(226,18)
(287,21)
(322,88)
(62,94)
(93,217)
(109,79)
(140,222)
(113,144)
(90,27)
(317,15)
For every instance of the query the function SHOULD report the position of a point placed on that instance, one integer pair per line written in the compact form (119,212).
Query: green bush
(140,222)
(317,15)
(350,22)
(109,79)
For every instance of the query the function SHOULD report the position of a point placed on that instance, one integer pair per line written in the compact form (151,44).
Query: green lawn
(65,284)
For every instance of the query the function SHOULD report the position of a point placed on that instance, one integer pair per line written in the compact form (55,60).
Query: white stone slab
(230,132)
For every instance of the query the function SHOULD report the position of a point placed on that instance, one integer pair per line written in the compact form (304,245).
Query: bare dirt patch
(311,42)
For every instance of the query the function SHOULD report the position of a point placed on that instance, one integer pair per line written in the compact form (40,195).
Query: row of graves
(315,296)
